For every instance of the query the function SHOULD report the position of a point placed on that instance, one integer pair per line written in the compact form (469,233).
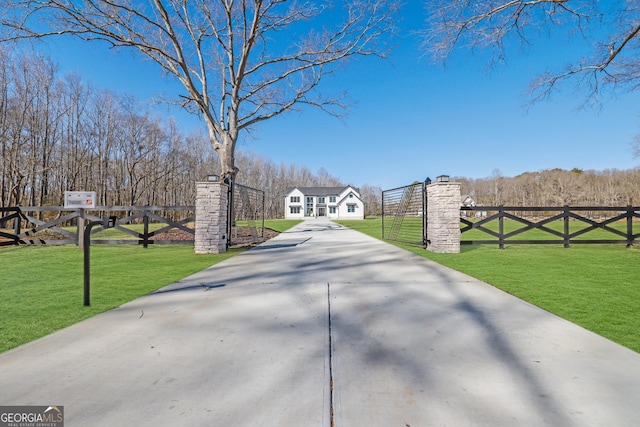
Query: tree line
(556,187)
(277,179)
(239,63)
(59,133)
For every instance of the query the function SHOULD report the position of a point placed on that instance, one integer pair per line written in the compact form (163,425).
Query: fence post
(382,207)
(443,217)
(565,218)
(145,238)
(263,202)
(17,221)
(211,217)
(630,212)
(425,218)
(501,226)
(80,230)
(231,215)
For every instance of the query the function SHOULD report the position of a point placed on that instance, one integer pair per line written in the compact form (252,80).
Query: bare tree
(557,187)
(4,127)
(612,29)
(372,198)
(240,62)
(635,146)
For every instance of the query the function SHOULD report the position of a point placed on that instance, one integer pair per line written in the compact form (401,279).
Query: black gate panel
(246,215)
(404,214)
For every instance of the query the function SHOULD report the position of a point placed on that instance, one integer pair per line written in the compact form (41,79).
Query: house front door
(322,211)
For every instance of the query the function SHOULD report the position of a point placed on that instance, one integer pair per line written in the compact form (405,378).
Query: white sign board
(80,199)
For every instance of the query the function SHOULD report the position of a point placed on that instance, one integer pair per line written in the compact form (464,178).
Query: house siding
(330,202)
(297,205)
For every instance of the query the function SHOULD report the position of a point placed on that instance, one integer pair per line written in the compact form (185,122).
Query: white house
(330,202)
(468,202)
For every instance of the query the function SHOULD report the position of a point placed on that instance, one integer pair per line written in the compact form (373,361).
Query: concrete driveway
(325,326)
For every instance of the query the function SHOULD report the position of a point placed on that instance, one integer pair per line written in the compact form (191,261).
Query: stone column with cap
(443,217)
(211,217)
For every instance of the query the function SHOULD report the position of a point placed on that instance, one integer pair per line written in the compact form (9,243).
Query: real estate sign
(80,199)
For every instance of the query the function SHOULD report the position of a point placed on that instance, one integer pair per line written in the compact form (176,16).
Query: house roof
(321,191)
(467,200)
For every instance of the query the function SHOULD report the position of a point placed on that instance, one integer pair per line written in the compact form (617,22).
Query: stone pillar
(211,217)
(443,217)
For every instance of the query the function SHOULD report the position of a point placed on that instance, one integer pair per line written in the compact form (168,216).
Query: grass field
(412,227)
(41,287)
(595,286)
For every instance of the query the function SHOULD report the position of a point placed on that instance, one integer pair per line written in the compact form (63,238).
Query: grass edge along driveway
(594,286)
(41,287)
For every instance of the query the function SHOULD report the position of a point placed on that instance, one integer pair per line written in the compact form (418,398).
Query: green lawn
(281,225)
(595,286)
(412,230)
(41,287)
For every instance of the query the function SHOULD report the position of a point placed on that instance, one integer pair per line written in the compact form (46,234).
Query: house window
(294,199)
(320,200)
(332,199)
(295,209)
(351,208)
(309,206)
(332,209)
(351,195)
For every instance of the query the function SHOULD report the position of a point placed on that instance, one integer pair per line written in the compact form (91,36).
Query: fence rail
(566,225)
(15,216)
(28,229)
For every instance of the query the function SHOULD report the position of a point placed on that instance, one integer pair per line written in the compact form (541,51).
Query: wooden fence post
(81,229)
(145,221)
(566,225)
(501,226)
(16,222)
(630,212)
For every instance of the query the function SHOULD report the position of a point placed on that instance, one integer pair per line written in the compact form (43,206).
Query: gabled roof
(320,191)
(346,196)
(467,201)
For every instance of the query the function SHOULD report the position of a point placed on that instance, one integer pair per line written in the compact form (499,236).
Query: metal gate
(404,214)
(246,215)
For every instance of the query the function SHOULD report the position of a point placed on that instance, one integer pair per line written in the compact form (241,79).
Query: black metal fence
(500,225)
(246,215)
(404,219)
(404,214)
(56,225)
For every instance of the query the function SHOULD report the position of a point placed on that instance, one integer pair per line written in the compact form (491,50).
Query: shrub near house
(330,202)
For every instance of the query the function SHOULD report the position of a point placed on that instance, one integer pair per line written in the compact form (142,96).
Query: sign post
(105,223)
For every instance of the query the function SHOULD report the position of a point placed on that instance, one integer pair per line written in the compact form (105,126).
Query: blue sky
(412,119)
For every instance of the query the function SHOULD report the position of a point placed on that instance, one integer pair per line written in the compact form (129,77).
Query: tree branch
(239,61)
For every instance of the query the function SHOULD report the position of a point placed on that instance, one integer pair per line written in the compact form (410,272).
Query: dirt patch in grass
(241,237)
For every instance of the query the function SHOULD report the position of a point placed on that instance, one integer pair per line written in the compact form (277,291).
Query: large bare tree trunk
(234,59)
